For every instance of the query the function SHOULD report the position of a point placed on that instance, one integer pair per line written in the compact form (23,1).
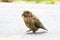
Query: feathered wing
(29,23)
(38,24)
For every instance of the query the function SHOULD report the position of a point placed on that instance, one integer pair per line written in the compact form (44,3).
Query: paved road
(12,25)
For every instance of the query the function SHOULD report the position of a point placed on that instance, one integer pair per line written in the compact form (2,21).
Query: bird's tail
(44,28)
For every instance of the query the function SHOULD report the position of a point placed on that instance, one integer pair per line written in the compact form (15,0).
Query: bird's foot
(28,30)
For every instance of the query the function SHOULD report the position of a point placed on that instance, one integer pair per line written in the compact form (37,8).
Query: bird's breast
(29,22)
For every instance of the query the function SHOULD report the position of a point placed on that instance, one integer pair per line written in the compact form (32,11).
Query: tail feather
(44,28)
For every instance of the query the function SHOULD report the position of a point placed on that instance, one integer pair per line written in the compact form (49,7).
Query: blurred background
(41,1)
(34,1)
(6,0)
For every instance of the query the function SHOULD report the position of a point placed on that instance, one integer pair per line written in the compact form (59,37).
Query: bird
(31,21)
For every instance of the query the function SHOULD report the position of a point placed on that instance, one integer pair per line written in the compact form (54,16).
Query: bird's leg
(33,31)
(28,31)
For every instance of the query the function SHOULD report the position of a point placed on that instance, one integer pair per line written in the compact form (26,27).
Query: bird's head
(27,14)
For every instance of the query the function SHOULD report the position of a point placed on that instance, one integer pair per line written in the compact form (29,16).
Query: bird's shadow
(38,32)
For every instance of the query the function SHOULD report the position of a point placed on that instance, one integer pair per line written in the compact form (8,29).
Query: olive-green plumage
(32,22)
